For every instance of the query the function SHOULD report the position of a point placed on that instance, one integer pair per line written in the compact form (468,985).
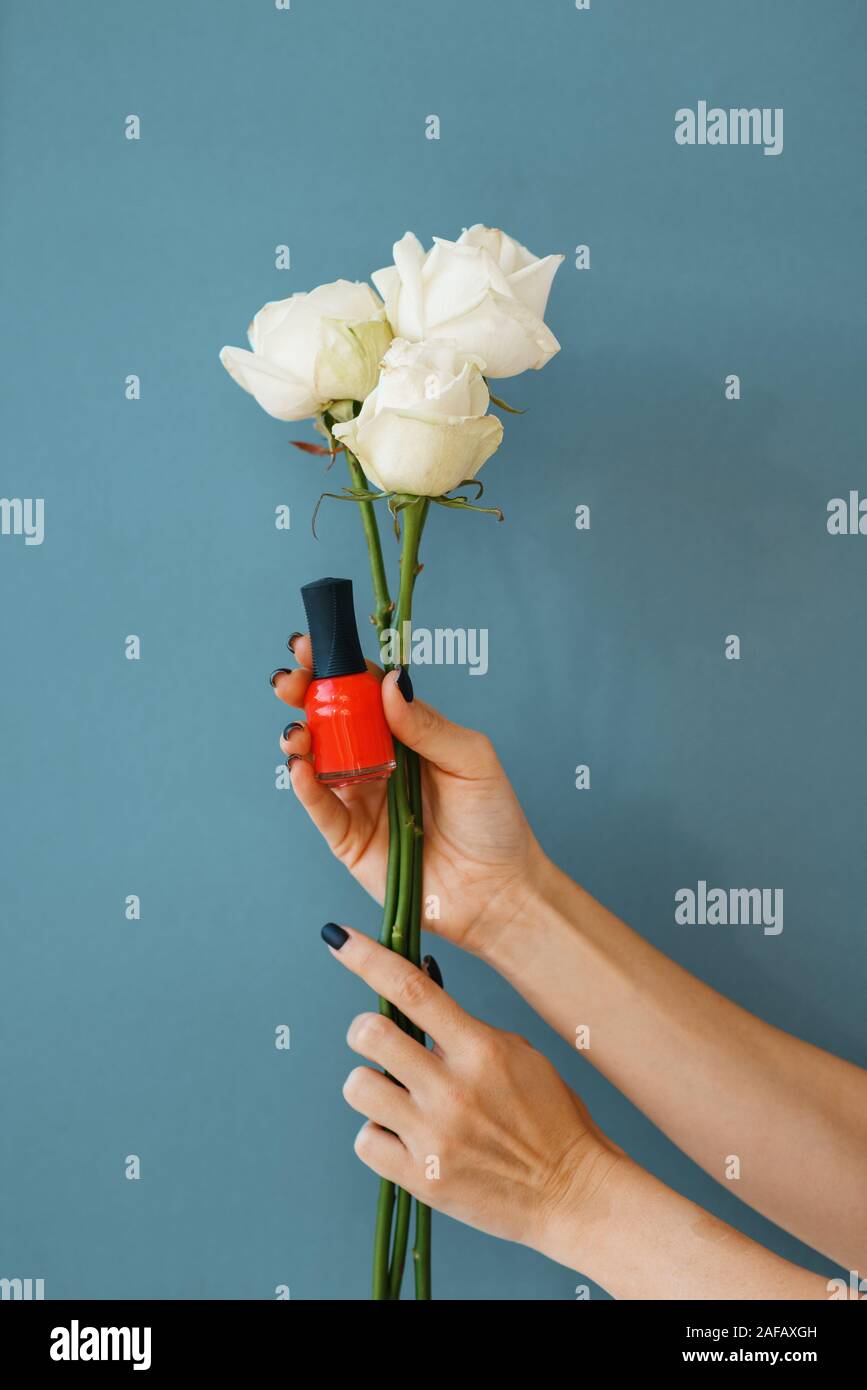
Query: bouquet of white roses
(400,386)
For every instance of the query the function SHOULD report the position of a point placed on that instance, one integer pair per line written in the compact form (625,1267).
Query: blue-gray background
(156,777)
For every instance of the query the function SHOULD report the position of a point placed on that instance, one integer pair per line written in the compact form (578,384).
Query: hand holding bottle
(480,857)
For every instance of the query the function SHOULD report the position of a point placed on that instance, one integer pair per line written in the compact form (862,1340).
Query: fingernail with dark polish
(334,936)
(293,758)
(404,684)
(433,971)
(289,727)
(292,640)
(281,671)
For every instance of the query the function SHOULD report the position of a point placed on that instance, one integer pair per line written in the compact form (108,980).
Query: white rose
(424,429)
(485,292)
(312,349)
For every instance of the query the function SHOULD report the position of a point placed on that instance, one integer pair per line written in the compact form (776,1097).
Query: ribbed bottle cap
(333,631)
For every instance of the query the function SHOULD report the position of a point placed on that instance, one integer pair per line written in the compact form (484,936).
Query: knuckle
(366,1031)
(363,1142)
(484,1051)
(481,756)
(414,990)
(429,720)
(354,1083)
(485,748)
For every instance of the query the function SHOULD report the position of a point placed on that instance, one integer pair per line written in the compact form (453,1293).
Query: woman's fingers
(403,984)
(419,726)
(299,646)
(291,686)
(377,1098)
(380,1040)
(331,817)
(295,739)
(384,1153)
(340,816)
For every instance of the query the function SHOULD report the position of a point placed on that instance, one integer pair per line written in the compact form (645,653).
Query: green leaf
(510,409)
(399,502)
(347,495)
(359,494)
(472,482)
(462,505)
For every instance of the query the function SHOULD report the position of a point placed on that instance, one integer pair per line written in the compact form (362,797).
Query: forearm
(640,1240)
(784,1122)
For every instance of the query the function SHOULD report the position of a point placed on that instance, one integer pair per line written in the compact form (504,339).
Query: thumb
(419,726)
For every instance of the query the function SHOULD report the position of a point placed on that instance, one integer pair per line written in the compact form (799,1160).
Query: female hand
(481,1127)
(480,855)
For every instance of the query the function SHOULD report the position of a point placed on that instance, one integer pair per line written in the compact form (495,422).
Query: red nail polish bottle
(343,704)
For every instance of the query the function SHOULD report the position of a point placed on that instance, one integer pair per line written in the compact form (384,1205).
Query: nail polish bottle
(343,704)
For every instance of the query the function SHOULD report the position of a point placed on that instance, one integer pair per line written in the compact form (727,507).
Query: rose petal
(409,260)
(268,320)
(277,391)
(345,299)
(532,285)
(509,254)
(404,451)
(506,334)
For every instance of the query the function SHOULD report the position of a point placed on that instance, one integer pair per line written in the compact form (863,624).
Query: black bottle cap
(333,631)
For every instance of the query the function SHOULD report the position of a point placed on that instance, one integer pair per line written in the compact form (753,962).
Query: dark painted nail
(404,684)
(289,727)
(292,640)
(333,935)
(281,671)
(432,970)
(293,758)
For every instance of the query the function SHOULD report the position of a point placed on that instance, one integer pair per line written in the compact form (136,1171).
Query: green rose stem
(421,1251)
(406,932)
(382,599)
(392,875)
(381,617)
(407,928)
(385,1204)
(382,1239)
(401,916)
(421,1246)
(385,1209)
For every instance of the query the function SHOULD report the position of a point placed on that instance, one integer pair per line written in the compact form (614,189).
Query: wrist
(579,1225)
(528,910)
(511,908)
